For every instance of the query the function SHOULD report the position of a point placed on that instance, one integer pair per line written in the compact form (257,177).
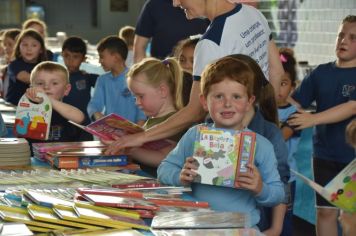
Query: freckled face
(227,103)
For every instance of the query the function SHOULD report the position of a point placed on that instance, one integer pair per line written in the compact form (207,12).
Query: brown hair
(158,71)
(113,44)
(227,68)
(349,19)
(262,89)
(35,35)
(50,67)
(127,33)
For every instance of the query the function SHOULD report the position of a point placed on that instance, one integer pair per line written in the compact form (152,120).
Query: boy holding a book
(52,79)
(111,94)
(227,87)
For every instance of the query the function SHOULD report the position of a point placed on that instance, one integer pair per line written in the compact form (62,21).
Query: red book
(144,183)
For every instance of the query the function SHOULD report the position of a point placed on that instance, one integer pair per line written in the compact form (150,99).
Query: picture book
(199,220)
(33,120)
(222,154)
(47,215)
(340,191)
(114,125)
(110,220)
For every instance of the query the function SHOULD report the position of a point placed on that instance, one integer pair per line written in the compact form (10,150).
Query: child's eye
(219,96)
(236,97)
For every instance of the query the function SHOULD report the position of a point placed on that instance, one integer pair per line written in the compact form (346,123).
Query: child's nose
(227,102)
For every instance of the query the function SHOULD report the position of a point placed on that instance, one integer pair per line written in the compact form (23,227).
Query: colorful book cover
(222,154)
(340,191)
(33,120)
(87,162)
(114,125)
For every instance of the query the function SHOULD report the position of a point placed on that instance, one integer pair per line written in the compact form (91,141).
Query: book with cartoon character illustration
(222,154)
(340,191)
(33,120)
(114,125)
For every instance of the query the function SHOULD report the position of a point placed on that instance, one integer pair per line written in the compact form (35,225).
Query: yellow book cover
(114,221)
(47,214)
(109,210)
(20,215)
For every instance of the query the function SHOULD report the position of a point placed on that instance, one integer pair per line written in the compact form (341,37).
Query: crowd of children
(233,89)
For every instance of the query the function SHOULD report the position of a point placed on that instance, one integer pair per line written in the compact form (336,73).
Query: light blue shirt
(224,198)
(111,95)
(292,143)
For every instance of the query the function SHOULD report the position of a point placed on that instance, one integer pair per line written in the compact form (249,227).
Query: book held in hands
(222,154)
(114,125)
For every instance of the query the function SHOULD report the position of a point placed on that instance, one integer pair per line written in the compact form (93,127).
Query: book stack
(74,155)
(14,152)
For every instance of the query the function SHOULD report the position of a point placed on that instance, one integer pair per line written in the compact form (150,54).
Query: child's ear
(67,89)
(204,102)
(251,101)
(163,90)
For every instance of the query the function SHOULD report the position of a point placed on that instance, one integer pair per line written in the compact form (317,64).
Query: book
(33,120)
(205,232)
(199,220)
(46,200)
(55,146)
(87,162)
(114,125)
(73,158)
(14,229)
(140,183)
(340,191)
(112,221)
(48,215)
(117,201)
(20,215)
(222,154)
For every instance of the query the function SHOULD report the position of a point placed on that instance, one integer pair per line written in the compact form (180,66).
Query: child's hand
(302,119)
(112,146)
(251,180)
(187,174)
(32,94)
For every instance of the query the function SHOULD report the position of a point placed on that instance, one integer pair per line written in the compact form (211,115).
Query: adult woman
(234,28)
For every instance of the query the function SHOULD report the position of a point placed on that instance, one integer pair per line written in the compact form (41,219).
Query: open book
(340,191)
(114,125)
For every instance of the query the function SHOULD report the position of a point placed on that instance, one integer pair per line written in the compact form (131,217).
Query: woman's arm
(139,48)
(276,70)
(181,120)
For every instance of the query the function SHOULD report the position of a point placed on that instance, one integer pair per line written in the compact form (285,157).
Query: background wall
(308,26)
(316,22)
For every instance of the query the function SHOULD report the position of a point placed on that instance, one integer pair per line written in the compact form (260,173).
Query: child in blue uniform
(227,94)
(29,51)
(333,87)
(290,134)
(111,94)
(52,79)
(74,50)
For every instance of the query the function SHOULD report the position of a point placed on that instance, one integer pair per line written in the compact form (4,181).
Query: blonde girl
(157,86)
(29,51)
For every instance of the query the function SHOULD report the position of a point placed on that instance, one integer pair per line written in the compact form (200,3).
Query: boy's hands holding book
(33,94)
(188,173)
(250,180)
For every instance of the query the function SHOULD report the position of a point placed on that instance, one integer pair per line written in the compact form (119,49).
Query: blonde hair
(50,67)
(127,33)
(158,71)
